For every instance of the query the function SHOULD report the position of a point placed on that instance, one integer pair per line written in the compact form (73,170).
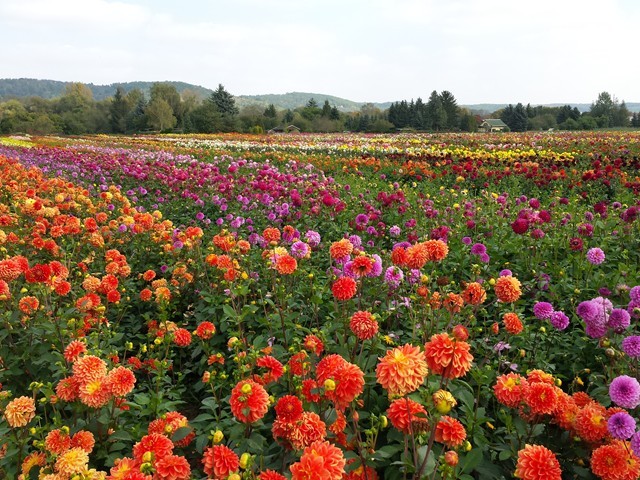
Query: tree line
(76,112)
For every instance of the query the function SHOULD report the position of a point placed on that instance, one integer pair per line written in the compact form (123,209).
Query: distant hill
(29,87)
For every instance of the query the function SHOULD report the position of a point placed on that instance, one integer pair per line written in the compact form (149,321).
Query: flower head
(20,411)
(536,462)
(621,425)
(507,289)
(402,370)
(249,401)
(595,256)
(320,460)
(625,391)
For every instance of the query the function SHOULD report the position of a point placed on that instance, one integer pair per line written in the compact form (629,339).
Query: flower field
(333,306)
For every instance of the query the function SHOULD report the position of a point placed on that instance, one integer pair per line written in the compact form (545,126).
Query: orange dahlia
(28,304)
(168,423)
(121,381)
(474,294)
(512,323)
(591,422)
(448,356)
(220,461)
(95,393)
(509,389)
(289,408)
(57,442)
(67,389)
(205,330)
(536,462)
(416,256)
(615,461)
(399,256)
(301,433)
(71,462)
(249,401)
(453,302)
(35,459)
(20,411)
(343,381)
(320,460)
(74,350)
(286,264)
(437,250)
(271,475)
(566,411)
(402,370)
(541,398)
(507,289)
(362,265)
(341,249)
(271,234)
(450,432)
(172,467)
(363,325)
(89,368)
(344,288)
(407,416)
(83,439)
(157,445)
(540,376)
(274,368)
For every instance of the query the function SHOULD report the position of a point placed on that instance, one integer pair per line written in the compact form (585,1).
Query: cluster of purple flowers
(545,311)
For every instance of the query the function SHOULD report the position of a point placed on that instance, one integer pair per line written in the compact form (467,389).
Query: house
(493,125)
(289,129)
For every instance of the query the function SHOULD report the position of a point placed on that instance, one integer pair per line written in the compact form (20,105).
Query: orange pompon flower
(312,343)
(320,460)
(182,337)
(28,304)
(509,389)
(540,376)
(84,440)
(402,370)
(121,381)
(275,369)
(408,416)
(145,294)
(582,399)
(74,350)
(34,459)
(271,234)
(159,446)
(416,256)
(615,461)
(5,292)
(71,462)
(95,393)
(363,325)
(341,249)
(310,390)
(172,467)
(344,288)
(67,389)
(343,381)
(512,323)
(362,265)
(298,363)
(10,269)
(591,422)
(20,411)
(536,462)
(286,264)
(289,408)
(220,461)
(149,275)
(169,423)
(453,302)
(399,256)
(271,475)
(566,412)
(205,330)
(541,398)
(507,289)
(448,356)
(88,368)
(474,294)
(450,432)
(437,249)
(57,442)
(300,433)
(249,401)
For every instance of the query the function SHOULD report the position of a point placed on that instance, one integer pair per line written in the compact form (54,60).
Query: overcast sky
(483,51)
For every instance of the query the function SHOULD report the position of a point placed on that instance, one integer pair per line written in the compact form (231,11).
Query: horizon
(556,52)
(322,93)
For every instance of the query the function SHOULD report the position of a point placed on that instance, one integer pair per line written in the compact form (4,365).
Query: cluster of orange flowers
(416,256)
(537,399)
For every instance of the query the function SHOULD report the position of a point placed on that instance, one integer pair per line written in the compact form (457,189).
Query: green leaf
(471,460)
(180,433)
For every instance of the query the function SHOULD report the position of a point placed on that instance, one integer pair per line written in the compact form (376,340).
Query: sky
(482,51)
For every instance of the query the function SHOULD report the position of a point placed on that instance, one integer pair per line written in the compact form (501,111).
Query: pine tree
(118,111)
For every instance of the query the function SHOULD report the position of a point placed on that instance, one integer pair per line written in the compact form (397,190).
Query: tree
(515,117)
(603,109)
(169,94)
(160,114)
(326,109)
(224,102)
(118,111)
(621,115)
(451,108)
(437,115)
(270,111)
(206,118)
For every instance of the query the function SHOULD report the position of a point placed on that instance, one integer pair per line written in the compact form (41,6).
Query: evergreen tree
(334,114)
(451,108)
(326,109)
(224,102)
(436,112)
(270,111)
(118,111)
